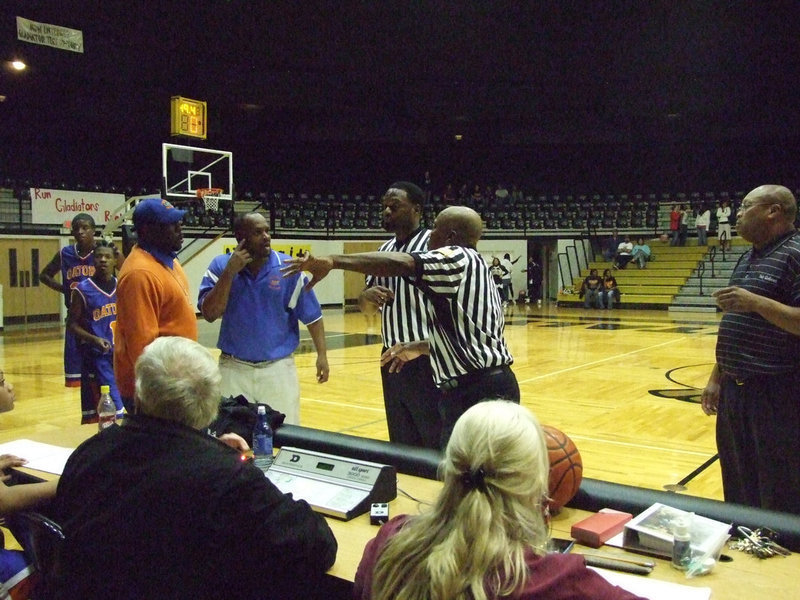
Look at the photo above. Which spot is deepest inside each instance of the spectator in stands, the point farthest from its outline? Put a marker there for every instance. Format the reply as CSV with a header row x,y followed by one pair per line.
x,y
624,254
449,196
610,290
611,245
477,196
684,226
701,223
641,252
724,225
674,225
485,537
501,193
516,193
592,290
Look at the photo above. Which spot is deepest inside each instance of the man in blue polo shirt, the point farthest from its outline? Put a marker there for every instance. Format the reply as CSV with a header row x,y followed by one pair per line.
x,y
260,313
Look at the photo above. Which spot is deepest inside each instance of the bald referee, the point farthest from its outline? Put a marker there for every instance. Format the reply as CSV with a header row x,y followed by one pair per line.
x,y
468,353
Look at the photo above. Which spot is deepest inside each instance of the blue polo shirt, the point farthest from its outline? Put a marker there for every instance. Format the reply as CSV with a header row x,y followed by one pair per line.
x,y
261,320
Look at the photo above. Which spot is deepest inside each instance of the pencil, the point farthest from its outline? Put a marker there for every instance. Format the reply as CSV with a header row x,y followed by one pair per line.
x,y
641,563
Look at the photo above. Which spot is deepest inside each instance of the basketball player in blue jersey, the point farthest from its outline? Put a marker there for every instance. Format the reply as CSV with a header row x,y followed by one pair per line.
x,y
92,318
76,263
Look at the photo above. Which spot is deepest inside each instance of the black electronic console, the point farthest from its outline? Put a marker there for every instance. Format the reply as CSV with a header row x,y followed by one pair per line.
x,y
333,485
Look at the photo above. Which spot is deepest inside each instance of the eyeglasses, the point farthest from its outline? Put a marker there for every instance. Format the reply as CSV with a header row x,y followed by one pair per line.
x,y
745,206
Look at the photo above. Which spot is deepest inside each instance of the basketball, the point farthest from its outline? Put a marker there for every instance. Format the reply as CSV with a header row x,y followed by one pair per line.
x,y
566,467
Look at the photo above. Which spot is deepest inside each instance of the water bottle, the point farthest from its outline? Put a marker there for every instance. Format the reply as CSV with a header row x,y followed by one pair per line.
x,y
681,546
106,409
262,440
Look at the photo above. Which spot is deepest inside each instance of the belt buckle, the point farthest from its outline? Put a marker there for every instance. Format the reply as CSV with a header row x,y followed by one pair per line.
x,y
450,384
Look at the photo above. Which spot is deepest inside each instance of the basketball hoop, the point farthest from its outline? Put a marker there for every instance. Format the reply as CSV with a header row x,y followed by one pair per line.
x,y
210,197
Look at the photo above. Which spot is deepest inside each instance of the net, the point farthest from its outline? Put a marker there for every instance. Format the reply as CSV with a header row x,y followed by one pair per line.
x,y
210,197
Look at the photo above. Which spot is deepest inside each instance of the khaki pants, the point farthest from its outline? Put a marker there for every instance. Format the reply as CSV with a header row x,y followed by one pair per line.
x,y
274,383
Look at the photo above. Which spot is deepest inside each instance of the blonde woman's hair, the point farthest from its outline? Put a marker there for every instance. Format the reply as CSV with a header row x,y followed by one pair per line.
x,y
488,517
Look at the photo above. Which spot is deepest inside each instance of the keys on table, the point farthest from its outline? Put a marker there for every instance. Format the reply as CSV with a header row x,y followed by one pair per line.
x,y
760,542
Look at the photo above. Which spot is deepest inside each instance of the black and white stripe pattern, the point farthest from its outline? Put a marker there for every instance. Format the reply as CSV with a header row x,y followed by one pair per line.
x,y
747,344
466,314
405,319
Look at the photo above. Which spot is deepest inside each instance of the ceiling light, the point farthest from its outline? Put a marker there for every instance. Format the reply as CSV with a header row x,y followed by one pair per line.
x,y
18,65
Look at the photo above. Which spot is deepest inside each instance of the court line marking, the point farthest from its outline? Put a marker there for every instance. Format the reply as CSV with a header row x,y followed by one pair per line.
x,y
342,404
642,446
601,361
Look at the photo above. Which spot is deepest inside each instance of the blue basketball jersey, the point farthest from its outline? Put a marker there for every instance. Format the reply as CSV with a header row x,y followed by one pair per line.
x,y
74,269
101,309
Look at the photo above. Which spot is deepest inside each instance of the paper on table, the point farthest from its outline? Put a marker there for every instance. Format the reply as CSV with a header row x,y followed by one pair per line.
x,y
42,457
652,588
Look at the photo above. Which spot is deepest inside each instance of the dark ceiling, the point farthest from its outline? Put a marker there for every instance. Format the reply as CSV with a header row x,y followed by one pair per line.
x,y
595,93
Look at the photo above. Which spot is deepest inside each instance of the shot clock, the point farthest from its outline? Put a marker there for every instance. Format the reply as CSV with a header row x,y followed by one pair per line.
x,y
188,117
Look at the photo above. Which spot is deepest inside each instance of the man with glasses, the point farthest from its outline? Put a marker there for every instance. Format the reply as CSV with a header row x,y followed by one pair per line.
x,y
753,388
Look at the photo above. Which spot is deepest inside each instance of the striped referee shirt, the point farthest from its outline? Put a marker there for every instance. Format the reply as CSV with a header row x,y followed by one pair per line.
x,y
465,312
404,319
748,344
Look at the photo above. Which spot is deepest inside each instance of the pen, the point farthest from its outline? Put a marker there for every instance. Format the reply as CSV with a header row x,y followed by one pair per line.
x,y
616,565
641,563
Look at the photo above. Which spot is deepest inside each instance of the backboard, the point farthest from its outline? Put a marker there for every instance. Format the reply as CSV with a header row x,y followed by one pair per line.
x,y
185,169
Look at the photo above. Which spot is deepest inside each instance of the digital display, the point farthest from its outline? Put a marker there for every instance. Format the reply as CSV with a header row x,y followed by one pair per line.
x,y
188,117
324,466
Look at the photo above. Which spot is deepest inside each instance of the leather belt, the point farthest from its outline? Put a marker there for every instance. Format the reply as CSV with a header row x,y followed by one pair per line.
x,y
252,363
472,377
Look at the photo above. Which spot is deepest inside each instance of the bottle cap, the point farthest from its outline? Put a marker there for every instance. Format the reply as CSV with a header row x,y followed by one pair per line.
x,y
105,389
682,528
262,410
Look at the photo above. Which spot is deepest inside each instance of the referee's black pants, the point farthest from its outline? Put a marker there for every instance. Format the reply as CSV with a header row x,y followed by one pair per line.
x,y
494,383
411,399
758,438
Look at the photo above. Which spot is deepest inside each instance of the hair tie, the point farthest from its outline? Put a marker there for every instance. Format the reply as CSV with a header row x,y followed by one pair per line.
x,y
474,479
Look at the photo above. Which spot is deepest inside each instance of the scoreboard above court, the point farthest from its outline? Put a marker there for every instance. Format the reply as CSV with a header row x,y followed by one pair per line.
x,y
188,117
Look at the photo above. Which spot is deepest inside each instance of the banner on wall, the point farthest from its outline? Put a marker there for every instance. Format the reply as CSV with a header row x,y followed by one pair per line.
x,y
295,250
55,36
58,207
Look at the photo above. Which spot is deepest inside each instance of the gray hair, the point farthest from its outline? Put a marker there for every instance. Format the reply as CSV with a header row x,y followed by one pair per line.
x,y
178,380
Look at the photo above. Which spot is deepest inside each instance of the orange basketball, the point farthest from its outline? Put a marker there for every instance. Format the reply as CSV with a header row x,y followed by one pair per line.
x,y
566,467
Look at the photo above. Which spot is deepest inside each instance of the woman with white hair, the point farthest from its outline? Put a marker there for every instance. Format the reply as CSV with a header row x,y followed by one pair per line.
x,y
486,535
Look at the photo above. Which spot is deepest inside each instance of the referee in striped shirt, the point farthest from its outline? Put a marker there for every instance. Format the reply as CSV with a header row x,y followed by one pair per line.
x,y
410,396
754,388
468,352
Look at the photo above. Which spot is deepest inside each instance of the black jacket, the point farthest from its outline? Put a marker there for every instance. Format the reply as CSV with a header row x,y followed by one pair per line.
x,y
153,509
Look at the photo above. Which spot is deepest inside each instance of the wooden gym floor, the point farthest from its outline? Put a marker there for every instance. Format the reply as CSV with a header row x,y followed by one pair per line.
x,y
623,384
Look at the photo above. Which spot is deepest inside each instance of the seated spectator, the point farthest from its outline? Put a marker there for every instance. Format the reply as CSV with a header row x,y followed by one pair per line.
x,y
624,254
592,290
485,536
157,508
610,246
641,253
610,290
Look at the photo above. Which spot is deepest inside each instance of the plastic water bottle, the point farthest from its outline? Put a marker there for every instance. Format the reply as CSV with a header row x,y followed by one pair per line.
x,y
106,409
262,440
681,546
